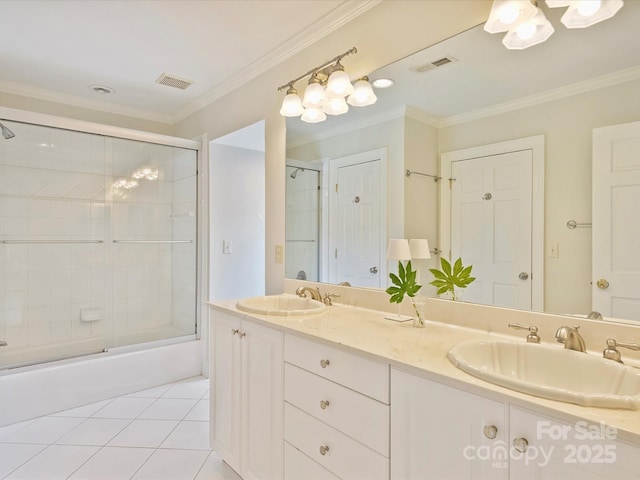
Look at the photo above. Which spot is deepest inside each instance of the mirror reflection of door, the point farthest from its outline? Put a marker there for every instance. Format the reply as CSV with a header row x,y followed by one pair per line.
x,y
356,241
492,214
616,221
302,249
491,226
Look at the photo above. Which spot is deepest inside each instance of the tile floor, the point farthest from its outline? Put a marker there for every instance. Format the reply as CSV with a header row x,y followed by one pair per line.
x,y
161,433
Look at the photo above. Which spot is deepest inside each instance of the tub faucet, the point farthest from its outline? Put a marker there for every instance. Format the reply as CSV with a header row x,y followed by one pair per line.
x,y
571,338
313,293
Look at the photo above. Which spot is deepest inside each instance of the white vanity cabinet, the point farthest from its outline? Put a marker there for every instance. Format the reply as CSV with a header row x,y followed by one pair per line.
x,y
437,431
441,432
336,413
246,396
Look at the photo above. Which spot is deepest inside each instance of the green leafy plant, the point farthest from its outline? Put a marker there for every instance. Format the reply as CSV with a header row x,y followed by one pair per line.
x,y
403,284
448,278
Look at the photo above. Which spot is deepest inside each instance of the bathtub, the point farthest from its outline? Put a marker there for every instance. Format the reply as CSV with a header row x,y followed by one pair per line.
x,y
34,391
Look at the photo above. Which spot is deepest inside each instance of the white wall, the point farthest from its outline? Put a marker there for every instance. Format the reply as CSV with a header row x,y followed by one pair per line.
x,y
237,206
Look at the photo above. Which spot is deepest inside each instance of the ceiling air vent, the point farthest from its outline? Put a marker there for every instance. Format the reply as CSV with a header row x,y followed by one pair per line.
x,y
433,65
173,81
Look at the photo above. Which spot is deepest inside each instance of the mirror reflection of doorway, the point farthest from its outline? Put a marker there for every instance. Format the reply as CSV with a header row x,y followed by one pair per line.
x,y
302,219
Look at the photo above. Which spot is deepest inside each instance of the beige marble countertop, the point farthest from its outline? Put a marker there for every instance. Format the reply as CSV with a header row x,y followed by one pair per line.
x,y
424,351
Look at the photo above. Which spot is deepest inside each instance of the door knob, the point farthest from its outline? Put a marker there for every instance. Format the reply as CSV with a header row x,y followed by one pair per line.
x,y
523,275
373,269
602,284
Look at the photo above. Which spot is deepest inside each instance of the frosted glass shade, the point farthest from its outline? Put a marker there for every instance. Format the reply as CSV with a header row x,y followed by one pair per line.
x,y
313,115
335,106
314,95
527,34
506,13
419,248
339,84
584,13
291,105
362,94
398,249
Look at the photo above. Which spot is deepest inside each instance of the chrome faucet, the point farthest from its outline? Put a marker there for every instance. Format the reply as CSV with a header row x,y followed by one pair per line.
x,y
313,293
571,338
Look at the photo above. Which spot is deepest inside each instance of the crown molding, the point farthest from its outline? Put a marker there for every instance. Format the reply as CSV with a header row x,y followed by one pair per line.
x,y
328,24
608,80
76,101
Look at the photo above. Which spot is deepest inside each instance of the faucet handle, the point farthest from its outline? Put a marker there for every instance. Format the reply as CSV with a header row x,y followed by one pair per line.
x,y
612,352
327,298
533,336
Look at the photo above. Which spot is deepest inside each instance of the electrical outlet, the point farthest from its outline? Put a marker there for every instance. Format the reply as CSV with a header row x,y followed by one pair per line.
x,y
279,253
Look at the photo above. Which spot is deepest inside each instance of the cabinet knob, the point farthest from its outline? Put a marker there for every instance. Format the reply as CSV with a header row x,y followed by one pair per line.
x,y
324,449
520,444
242,334
490,431
324,404
234,331
324,363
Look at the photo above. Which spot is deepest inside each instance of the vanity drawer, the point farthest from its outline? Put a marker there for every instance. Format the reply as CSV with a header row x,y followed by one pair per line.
x,y
359,416
344,457
297,466
351,370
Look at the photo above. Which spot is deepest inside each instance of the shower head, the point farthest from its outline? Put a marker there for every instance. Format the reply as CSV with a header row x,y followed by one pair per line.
x,y
294,174
6,133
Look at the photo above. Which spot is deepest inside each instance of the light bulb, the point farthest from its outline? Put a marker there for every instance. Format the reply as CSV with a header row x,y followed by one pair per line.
x,y
587,8
509,13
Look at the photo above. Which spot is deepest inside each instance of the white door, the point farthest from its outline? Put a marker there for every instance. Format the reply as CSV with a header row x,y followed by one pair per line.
x,y
616,221
357,220
491,214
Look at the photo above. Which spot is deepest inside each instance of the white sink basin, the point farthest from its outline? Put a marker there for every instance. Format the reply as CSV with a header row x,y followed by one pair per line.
x,y
281,305
551,372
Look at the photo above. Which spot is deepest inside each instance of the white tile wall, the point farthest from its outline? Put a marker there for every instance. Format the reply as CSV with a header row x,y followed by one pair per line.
x,y
58,185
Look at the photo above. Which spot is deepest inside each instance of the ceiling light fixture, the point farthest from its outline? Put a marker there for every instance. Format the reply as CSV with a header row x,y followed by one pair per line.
x,y
526,24
329,92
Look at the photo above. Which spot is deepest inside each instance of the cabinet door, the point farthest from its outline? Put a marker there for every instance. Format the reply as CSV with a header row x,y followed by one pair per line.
x,y
263,402
437,432
225,388
578,450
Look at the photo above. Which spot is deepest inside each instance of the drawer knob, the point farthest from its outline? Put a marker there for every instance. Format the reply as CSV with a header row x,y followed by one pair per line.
x,y
520,444
324,404
324,363
324,449
234,331
242,334
490,431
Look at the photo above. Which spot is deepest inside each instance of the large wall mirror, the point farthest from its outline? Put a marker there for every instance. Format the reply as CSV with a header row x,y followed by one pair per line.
x,y
465,92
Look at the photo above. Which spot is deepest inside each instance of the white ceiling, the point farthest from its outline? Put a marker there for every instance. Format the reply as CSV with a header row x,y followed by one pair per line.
x,y
57,49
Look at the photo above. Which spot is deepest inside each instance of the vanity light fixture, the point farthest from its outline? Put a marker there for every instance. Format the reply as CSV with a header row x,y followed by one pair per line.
x,y
329,92
526,24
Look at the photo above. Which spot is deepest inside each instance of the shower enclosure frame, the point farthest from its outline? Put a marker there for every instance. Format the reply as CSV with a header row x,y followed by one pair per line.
x,y
201,236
